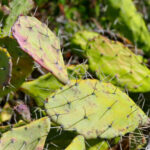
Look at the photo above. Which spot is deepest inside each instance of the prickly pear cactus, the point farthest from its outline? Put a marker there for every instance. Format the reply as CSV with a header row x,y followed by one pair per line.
x,y
129,22
9,127
113,62
41,44
22,65
5,68
6,113
28,137
43,86
17,7
101,145
77,143
94,109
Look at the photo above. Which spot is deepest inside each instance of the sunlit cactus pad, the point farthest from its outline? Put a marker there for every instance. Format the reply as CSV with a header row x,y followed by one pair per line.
x,y
36,39
113,62
45,85
28,137
5,68
77,143
94,109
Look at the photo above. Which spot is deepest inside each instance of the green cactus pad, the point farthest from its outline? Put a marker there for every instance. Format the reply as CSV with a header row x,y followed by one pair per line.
x,y
5,68
36,39
77,144
94,109
22,64
9,127
101,145
43,86
17,7
28,137
113,62
129,22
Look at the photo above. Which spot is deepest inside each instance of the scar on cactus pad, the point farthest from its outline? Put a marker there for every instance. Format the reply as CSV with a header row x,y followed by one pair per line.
x,y
5,68
36,39
94,109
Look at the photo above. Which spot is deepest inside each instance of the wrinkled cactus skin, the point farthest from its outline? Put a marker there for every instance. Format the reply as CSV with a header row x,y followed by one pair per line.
x,y
94,109
36,39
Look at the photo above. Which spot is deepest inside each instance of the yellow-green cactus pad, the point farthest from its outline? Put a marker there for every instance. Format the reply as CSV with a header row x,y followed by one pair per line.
x,y
101,145
77,144
94,109
45,85
5,68
28,137
113,62
36,39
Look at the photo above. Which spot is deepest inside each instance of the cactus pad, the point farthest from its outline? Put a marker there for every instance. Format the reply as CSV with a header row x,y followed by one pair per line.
x,y
94,109
28,137
77,144
17,7
112,61
129,22
22,64
42,87
41,44
5,68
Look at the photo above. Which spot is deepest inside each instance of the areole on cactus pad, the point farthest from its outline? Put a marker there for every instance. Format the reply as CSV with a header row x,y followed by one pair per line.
x,y
36,39
94,109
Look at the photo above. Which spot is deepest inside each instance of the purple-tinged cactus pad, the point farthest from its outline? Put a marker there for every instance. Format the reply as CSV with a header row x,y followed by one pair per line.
x,y
36,39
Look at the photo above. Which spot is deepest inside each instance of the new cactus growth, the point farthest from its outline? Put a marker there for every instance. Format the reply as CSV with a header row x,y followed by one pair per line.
x,y
5,68
36,39
77,144
113,62
22,64
94,109
28,137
